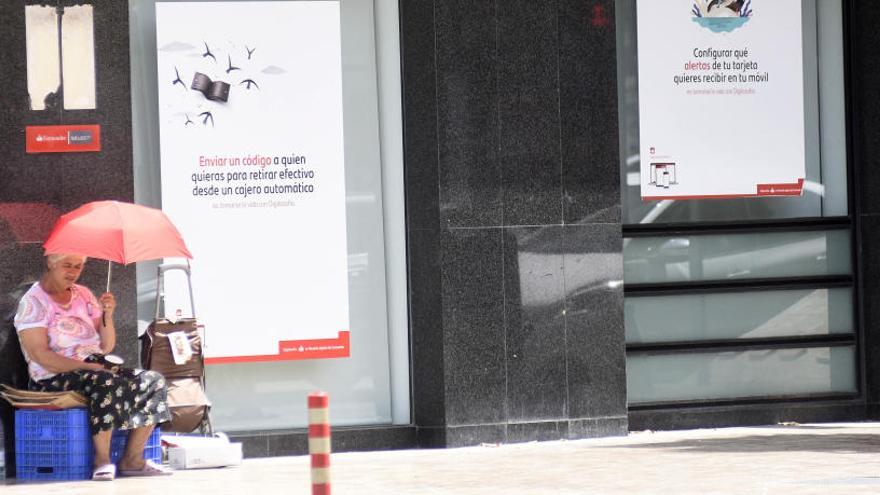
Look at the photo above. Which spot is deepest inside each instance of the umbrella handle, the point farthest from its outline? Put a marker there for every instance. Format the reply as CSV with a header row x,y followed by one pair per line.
x,y
109,271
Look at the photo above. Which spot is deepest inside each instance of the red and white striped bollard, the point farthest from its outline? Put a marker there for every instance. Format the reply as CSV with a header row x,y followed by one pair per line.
x,y
319,442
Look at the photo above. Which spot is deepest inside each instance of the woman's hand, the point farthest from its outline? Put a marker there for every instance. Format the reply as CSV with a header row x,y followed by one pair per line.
x,y
105,326
108,303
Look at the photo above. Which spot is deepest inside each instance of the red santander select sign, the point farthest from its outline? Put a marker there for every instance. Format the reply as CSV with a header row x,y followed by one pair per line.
x,y
62,138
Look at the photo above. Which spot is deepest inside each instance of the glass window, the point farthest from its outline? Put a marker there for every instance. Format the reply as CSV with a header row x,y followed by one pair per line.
x,y
740,374
825,186
371,386
670,258
732,257
738,315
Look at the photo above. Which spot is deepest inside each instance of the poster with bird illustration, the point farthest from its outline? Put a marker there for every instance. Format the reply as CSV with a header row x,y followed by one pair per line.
x,y
721,99
252,173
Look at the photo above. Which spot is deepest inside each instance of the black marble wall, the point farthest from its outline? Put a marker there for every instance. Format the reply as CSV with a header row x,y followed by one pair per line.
x,y
864,73
36,188
513,216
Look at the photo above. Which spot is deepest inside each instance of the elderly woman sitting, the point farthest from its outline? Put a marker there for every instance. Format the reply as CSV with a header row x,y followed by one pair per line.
x,y
60,324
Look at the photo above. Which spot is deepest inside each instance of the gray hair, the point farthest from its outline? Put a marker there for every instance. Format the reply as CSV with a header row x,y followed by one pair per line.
x,y
54,258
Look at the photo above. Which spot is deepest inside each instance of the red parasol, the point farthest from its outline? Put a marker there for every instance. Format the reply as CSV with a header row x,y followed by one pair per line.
x,y
114,231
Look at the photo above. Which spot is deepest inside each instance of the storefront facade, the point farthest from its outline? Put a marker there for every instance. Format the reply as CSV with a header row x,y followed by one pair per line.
x,y
506,281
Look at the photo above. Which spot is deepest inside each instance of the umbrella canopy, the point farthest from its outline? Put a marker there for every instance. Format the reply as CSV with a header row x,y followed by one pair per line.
x,y
114,231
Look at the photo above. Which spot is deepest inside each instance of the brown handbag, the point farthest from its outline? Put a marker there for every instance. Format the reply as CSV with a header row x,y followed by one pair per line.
x,y
190,410
156,353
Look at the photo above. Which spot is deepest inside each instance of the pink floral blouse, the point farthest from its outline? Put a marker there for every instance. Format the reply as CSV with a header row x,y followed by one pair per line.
x,y
71,327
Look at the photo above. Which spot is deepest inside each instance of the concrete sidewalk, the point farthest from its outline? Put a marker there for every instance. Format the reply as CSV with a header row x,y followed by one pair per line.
x,y
802,459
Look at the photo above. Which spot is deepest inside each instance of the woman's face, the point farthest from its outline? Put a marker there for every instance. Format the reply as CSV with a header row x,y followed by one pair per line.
x,y
66,271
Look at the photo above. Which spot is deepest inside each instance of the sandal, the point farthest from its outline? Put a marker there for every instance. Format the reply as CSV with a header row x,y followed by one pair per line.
x,y
107,472
150,469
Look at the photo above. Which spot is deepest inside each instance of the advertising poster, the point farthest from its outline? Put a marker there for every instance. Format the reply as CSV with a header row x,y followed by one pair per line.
x,y
251,137
721,98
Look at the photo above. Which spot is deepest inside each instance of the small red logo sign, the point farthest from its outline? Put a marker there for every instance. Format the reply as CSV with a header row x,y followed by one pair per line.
x,y
62,138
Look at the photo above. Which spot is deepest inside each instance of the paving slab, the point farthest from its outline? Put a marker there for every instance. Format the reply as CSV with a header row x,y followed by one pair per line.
x,y
800,459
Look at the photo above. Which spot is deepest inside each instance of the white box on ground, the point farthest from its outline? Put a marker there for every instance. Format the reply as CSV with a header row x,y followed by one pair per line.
x,y
188,452
205,457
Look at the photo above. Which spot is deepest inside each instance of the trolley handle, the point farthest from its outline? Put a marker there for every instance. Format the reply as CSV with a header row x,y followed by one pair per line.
x,y
174,266
160,283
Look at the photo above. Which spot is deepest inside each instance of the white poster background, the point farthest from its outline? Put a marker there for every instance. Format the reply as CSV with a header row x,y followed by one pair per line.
x,y
725,138
266,267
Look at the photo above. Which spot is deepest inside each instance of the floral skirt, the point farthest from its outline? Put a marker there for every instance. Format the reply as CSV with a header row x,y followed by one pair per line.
x,y
125,400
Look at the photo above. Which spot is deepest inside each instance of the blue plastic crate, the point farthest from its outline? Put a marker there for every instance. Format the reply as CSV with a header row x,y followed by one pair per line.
x,y
57,445
152,450
53,445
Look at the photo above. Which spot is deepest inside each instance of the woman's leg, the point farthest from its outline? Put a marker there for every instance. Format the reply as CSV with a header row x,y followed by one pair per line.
x,y
102,447
148,406
145,401
133,457
144,405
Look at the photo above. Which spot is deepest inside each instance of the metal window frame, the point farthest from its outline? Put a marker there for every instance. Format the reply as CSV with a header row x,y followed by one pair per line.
x,y
743,401
850,222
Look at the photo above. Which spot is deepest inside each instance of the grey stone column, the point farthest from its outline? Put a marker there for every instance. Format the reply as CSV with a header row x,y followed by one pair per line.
x,y
513,218
865,111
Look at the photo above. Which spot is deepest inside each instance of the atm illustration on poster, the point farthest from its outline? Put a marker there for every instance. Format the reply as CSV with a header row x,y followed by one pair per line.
x,y
663,175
